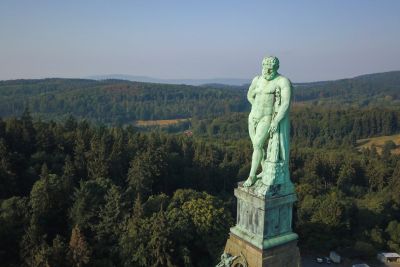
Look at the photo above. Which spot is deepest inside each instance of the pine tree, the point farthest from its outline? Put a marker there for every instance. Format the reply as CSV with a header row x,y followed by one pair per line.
x,y
118,158
69,174
97,163
80,161
145,169
346,176
136,236
160,245
107,232
8,179
58,253
79,249
28,132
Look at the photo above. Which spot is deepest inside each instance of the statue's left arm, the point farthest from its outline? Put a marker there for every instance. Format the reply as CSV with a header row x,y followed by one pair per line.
x,y
286,92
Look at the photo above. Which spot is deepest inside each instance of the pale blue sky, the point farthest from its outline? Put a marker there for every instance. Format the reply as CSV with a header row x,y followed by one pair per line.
x,y
314,39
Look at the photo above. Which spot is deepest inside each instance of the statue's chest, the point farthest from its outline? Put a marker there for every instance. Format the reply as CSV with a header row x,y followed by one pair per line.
x,y
266,87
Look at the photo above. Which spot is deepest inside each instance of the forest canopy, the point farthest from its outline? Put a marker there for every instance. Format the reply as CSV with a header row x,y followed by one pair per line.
x,y
76,192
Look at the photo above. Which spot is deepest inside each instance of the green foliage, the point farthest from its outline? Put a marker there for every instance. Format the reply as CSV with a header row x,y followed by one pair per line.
x,y
116,101
132,195
393,230
329,211
87,202
79,249
13,217
145,169
189,228
210,222
108,229
48,204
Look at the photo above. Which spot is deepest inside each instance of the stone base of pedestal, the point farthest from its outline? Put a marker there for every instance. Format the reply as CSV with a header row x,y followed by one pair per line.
x,y
248,255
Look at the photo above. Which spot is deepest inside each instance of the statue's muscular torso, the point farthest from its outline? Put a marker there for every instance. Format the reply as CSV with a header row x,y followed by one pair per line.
x,y
261,96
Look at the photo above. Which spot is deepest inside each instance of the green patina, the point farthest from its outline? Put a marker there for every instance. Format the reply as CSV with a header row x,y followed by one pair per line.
x,y
270,97
265,200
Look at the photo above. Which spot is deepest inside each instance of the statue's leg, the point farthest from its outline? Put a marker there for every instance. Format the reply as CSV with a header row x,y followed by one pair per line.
x,y
258,150
252,128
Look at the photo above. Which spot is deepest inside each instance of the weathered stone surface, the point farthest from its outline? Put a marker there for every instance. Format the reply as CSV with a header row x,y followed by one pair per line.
x,y
285,255
262,218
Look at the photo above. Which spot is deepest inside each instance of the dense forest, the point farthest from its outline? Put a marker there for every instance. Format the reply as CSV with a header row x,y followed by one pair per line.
x,y
115,101
314,126
371,90
122,102
75,194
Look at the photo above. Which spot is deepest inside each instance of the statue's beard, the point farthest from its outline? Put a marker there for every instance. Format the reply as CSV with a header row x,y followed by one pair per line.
x,y
269,76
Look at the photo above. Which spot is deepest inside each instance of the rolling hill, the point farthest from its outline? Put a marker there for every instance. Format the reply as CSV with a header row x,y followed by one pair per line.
x,y
121,101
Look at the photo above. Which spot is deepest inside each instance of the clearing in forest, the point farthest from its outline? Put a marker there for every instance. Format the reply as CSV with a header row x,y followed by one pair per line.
x,y
379,142
147,123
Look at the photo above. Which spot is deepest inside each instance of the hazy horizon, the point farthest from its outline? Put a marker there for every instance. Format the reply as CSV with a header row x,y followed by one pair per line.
x,y
177,80
314,40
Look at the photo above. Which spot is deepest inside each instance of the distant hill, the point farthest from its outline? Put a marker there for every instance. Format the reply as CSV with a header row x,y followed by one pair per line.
x,y
367,90
122,101
133,78
116,101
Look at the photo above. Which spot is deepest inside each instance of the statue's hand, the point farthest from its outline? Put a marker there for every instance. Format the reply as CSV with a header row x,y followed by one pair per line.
x,y
273,127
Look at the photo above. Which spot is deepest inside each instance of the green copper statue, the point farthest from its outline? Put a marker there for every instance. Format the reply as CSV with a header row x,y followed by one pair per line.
x,y
269,95
265,200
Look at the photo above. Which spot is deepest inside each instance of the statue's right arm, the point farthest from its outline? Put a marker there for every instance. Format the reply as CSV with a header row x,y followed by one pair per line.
x,y
251,93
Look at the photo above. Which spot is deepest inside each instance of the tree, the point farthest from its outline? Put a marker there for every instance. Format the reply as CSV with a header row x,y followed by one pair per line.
x,y
387,149
8,179
49,202
160,244
80,161
346,176
97,163
108,230
135,237
34,250
393,230
45,139
377,174
145,171
87,202
28,132
14,216
79,250
58,252
211,222
394,184
330,211
69,174
118,157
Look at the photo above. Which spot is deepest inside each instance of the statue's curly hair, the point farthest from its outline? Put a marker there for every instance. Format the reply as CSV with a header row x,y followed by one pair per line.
x,y
271,60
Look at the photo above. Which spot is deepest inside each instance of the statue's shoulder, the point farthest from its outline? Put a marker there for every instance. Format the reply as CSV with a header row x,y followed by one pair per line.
x,y
255,79
254,82
283,81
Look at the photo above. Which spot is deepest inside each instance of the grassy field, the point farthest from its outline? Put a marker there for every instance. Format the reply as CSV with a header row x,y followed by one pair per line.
x,y
161,123
379,142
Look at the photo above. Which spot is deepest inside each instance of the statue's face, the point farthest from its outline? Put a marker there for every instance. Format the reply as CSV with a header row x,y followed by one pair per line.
x,y
269,71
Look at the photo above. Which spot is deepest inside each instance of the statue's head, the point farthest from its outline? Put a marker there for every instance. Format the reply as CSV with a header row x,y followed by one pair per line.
x,y
270,66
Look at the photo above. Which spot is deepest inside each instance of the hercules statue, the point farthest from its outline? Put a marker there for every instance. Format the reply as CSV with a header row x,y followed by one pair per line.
x,y
269,95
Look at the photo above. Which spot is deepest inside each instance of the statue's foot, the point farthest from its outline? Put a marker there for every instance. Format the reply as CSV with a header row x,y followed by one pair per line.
x,y
250,181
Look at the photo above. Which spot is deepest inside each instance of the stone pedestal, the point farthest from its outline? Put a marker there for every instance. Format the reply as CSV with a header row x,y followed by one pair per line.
x,y
263,233
284,255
